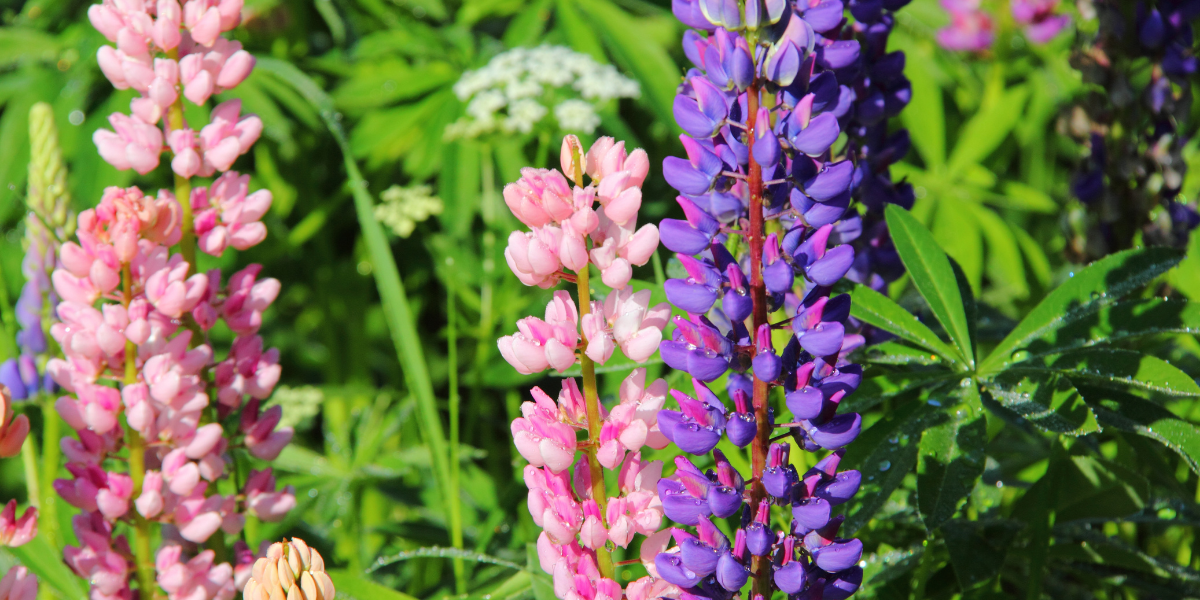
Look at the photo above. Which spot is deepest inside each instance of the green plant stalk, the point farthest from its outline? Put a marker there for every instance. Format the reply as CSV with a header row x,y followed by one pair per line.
x,y
183,188
487,172
32,482
455,502
51,453
590,396
143,556
397,312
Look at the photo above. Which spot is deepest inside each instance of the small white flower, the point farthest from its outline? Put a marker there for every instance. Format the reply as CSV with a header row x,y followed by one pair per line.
x,y
576,115
403,207
513,91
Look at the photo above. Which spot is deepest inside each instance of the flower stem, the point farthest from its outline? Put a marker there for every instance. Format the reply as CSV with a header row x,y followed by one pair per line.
x,y
590,396
143,556
183,185
455,503
758,297
32,483
48,517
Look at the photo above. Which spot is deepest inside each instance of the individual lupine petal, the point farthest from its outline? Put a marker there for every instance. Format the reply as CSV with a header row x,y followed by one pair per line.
x,y
779,476
697,173
842,488
838,432
15,531
806,402
690,236
688,12
670,567
831,181
838,556
824,340
732,571
702,116
790,576
829,269
766,363
817,136
759,535
811,513
592,534
843,584
742,425
132,145
18,584
777,273
10,376
724,13
766,149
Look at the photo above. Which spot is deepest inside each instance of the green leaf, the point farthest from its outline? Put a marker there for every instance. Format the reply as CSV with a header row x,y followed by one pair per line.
x,y
873,308
932,275
577,31
636,53
1004,264
1046,399
1137,415
885,453
527,27
957,231
440,552
1124,320
1126,369
899,353
988,128
43,560
1024,197
877,389
400,319
1094,287
354,586
925,118
977,549
373,84
951,459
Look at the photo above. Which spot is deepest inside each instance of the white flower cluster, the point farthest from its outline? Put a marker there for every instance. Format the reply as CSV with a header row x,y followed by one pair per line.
x,y
513,93
403,207
299,403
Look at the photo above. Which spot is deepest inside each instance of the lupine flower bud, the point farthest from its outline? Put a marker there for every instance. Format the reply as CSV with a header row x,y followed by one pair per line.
x,y
289,571
12,429
18,584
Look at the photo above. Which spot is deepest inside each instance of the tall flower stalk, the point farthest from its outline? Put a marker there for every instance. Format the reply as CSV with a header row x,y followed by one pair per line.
x,y
768,231
159,419
569,236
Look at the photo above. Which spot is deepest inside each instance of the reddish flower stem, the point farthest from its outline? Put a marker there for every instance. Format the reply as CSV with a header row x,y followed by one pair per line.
x,y
758,296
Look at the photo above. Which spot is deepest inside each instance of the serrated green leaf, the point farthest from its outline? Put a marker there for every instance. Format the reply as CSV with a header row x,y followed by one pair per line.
x,y
40,557
1092,288
932,275
988,128
951,459
1045,399
1126,369
885,453
1137,415
874,308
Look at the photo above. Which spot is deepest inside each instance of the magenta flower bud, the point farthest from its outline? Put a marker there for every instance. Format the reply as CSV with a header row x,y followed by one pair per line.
x,y
767,364
759,535
777,273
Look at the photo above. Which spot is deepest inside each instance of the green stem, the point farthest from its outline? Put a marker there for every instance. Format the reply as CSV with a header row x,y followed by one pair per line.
x,y
51,453
590,396
32,482
143,556
455,501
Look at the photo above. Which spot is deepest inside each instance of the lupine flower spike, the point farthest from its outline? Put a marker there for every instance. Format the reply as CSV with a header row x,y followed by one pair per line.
x,y
825,76
579,518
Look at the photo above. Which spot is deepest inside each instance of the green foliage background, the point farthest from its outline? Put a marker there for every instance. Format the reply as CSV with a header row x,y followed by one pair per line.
x,y
384,339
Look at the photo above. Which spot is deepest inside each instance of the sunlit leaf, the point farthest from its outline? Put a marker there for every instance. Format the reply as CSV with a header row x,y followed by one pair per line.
x,y
950,460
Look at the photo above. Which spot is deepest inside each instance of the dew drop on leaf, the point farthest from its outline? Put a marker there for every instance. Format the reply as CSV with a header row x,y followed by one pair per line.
x,y
885,465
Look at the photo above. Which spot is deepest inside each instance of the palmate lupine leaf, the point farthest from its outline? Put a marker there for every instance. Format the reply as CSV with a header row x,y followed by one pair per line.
x,y
874,308
1127,319
877,389
988,128
442,552
950,460
1098,285
899,353
1045,399
933,276
1124,411
1126,370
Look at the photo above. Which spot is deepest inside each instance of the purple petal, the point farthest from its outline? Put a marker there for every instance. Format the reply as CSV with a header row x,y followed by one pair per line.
x,y
784,64
759,538
691,297
698,557
724,500
767,366
842,488
778,277
826,15
823,340
812,513
838,432
779,480
766,150
843,585
679,236
737,306
671,568
833,266
838,556
10,375
820,134
838,55
805,403
741,429
681,175
731,573
689,117
706,365
790,578
830,182
689,13
681,507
